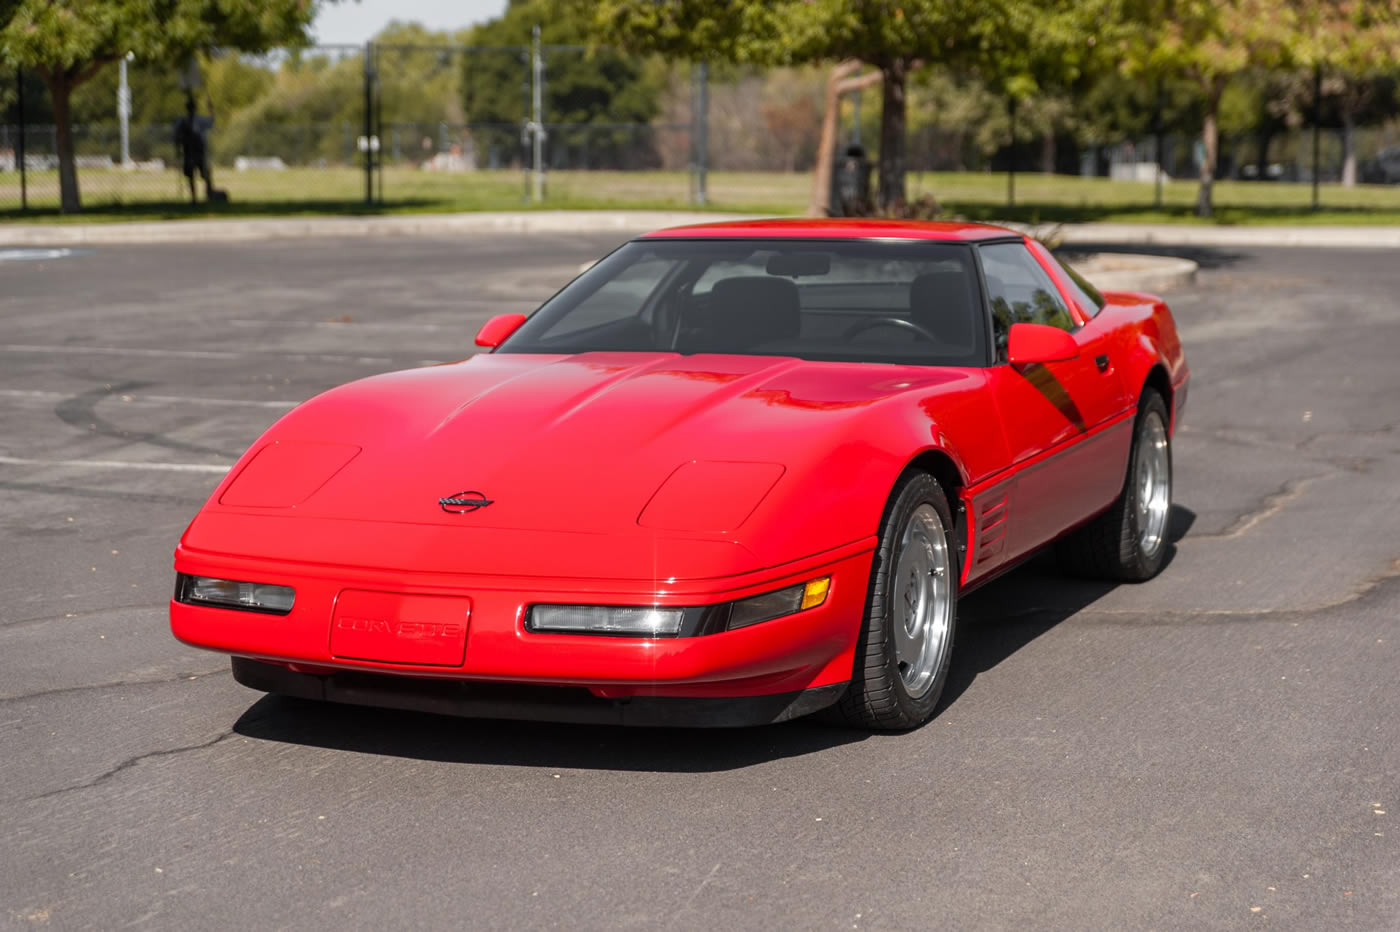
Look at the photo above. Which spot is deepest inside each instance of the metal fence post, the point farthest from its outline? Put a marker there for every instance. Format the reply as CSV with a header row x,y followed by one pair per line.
x,y
702,134
379,122
1316,119
526,86
23,176
124,112
369,125
1011,156
537,115
1161,155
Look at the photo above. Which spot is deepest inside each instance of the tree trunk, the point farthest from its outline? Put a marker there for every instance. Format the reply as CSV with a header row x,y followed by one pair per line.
x,y
1261,157
60,90
1348,145
1047,152
837,83
819,204
1210,137
892,142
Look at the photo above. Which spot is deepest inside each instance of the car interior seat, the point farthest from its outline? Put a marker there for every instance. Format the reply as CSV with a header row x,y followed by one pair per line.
x,y
941,303
741,314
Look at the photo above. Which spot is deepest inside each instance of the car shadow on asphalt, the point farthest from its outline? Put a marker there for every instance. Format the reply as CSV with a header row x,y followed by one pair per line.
x,y
995,622
445,739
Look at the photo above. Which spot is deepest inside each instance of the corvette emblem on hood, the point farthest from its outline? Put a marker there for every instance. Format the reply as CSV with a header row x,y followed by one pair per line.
x,y
461,503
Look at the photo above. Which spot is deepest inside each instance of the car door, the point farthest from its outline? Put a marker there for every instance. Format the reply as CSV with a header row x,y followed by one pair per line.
x,y
1062,421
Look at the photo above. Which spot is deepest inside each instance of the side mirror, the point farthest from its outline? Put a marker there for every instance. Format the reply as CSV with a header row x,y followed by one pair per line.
x,y
1028,343
494,332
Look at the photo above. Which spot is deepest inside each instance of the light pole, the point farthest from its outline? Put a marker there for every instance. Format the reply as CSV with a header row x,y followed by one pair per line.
x,y
124,110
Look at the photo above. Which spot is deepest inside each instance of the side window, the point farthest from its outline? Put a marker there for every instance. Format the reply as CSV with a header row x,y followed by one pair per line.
x,y
1091,301
1020,292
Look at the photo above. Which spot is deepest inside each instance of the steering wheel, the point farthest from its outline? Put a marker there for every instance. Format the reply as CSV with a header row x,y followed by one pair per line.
x,y
861,326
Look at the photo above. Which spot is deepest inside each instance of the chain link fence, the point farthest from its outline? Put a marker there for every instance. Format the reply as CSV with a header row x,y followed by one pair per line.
x,y
470,127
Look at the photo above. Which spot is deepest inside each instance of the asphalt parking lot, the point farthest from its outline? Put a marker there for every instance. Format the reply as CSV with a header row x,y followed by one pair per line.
x,y
1217,747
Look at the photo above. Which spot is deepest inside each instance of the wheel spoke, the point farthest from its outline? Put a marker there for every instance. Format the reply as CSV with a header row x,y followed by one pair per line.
x,y
1153,484
920,612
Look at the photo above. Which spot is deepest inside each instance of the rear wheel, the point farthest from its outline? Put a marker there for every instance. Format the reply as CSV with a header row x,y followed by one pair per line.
x,y
1129,541
902,656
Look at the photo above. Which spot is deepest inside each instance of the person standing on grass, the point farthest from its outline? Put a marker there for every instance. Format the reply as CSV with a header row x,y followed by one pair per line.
x,y
192,147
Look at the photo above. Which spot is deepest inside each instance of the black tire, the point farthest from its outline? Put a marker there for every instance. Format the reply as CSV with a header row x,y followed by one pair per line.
x,y
1111,547
878,697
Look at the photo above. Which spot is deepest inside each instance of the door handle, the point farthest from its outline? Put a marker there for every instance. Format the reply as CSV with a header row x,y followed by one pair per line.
x,y
1101,362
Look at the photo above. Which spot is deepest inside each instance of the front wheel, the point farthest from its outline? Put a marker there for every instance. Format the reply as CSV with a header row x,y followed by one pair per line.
x,y
902,656
1129,541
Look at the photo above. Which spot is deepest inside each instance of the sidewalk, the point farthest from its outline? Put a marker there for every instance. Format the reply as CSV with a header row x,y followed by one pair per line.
x,y
563,222
484,223
1170,234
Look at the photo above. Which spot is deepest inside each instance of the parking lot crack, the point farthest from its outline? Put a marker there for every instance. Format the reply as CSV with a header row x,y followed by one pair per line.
x,y
129,763
1272,504
119,684
69,616
1378,586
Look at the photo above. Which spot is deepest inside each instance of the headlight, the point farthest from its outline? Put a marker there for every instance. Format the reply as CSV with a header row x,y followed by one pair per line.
x,y
601,619
232,593
655,621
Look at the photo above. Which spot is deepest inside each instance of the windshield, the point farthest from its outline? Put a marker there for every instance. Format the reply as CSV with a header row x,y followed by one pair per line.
x,y
853,301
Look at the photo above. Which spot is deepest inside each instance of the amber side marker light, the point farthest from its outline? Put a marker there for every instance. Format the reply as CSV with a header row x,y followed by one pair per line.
x,y
772,605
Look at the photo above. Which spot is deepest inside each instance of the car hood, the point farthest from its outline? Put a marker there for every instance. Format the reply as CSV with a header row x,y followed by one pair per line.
x,y
577,444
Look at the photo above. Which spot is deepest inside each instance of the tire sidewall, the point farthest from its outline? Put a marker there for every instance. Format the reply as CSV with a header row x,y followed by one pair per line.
x,y
1145,565
917,489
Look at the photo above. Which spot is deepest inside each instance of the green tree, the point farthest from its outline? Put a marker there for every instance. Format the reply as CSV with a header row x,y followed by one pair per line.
x,y
1015,45
1207,42
587,88
68,42
311,106
1353,44
311,109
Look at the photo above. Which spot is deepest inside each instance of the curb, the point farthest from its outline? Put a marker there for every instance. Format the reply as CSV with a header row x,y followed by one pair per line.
x,y
226,231
1129,272
565,222
1141,234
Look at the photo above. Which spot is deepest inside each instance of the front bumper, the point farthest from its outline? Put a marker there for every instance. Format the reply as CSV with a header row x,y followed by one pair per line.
x,y
569,704
783,657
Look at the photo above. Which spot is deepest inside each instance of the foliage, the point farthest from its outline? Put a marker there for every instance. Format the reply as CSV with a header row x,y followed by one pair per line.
x,y
67,42
1213,41
587,88
1015,46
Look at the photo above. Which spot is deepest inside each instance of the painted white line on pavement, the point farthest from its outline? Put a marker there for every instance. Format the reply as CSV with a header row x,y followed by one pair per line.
x,y
33,255
355,325
115,464
206,354
152,399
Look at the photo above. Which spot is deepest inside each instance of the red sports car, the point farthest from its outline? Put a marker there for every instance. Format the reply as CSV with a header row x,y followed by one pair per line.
x,y
731,474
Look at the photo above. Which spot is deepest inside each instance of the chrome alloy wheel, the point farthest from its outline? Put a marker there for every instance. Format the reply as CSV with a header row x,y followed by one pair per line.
x,y
921,608
1154,484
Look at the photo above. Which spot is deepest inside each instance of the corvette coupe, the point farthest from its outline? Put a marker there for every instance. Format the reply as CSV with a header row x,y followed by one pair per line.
x,y
731,474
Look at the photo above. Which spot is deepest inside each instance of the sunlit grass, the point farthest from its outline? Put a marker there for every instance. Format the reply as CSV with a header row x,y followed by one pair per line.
x,y
117,195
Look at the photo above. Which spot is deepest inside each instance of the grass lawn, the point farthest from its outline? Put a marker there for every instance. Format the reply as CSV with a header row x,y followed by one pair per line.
x,y
117,195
